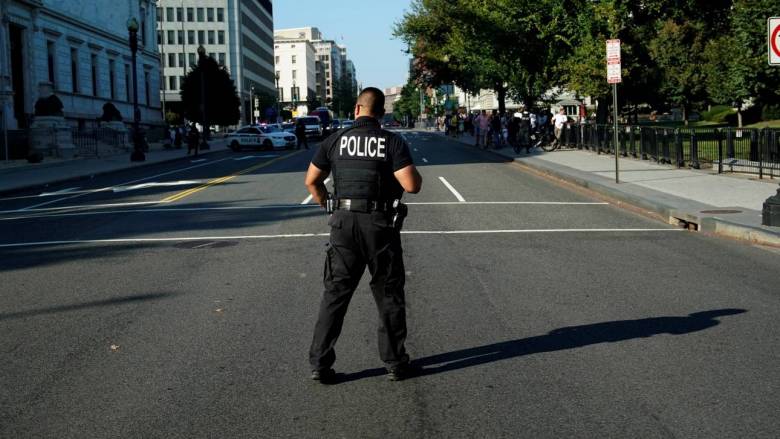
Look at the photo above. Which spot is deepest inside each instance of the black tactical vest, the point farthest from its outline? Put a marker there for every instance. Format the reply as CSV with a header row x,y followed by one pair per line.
x,y
361,165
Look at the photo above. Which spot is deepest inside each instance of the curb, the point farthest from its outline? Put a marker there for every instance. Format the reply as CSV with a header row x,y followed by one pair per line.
x,y
89,176
705,224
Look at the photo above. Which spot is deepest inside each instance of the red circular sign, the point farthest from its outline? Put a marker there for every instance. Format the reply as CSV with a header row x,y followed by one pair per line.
x,y
775,34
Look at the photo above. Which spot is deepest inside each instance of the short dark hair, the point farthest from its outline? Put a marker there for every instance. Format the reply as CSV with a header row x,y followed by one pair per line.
x,y
373,100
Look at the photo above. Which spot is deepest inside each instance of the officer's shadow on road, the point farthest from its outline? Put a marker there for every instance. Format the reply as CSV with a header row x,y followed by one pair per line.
x,y
558,340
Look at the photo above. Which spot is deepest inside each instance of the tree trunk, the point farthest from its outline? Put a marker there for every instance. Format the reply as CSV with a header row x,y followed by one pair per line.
x,y
501,92
602,110
739,118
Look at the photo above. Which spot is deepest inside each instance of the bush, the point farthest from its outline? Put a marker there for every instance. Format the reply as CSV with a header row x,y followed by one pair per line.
x,y
718,114
770,112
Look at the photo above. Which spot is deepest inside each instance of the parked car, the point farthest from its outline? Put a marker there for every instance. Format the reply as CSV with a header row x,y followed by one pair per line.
x,y
326,118
347,123
260,136
288,128
313,125
335,125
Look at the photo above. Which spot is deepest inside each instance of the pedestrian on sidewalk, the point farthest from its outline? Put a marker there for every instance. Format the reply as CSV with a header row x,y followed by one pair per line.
x,y
177,138
495,129
483,124
193,140
559,121
300,133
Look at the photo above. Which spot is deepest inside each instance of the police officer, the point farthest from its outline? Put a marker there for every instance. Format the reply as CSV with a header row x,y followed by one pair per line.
x,y
371,169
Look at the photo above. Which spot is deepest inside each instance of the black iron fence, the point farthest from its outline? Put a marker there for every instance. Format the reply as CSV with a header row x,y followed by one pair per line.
x,y
755,151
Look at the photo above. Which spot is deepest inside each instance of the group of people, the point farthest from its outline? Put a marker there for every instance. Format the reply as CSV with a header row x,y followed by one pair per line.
x,y
500,129
187,132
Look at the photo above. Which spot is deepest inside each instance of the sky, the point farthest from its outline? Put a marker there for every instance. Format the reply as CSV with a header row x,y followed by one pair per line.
x,y
364,27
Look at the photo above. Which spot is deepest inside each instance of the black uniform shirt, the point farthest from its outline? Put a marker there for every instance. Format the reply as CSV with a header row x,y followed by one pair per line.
x,y
367,141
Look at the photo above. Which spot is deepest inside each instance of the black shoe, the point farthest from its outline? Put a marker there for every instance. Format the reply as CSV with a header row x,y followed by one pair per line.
x,y
324,375
402,372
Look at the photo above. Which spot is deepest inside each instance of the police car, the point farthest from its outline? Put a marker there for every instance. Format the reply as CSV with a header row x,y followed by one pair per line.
x,y
261,136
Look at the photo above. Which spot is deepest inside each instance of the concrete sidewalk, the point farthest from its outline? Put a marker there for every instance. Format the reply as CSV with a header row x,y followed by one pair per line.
x,y
722,204
18,175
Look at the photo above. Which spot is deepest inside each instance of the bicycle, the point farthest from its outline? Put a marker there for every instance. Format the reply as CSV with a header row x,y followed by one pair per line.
x,y
545,140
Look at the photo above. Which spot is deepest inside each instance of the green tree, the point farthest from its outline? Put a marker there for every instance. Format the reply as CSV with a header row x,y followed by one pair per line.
x,y
222,102
344,96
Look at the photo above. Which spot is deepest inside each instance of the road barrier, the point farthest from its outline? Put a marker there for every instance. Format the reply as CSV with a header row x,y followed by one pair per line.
x,y
746,150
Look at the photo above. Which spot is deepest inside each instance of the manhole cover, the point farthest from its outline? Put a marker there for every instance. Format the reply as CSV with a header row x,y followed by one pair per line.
x,y
722,211
202,245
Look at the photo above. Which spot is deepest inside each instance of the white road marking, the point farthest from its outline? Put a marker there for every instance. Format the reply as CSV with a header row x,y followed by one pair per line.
x,y
198,161
425,160
543,203
317,235
122,184
62,192
266,156
452,189
308,199
155,184
56,212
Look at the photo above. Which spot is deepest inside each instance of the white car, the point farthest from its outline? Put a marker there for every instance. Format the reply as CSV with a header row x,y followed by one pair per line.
x,y
347,123
261,136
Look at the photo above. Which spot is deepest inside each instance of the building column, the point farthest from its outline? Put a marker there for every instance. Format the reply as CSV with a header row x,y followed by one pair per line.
x,y
6,104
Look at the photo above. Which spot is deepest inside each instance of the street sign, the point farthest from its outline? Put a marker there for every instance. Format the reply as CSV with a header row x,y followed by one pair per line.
x,y
774,41
613,62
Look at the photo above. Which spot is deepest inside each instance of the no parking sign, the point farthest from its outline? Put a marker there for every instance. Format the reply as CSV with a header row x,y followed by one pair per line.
x,y
774,41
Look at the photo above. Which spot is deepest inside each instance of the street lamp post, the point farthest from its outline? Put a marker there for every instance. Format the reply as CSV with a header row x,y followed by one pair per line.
x,y
138,154
252,105
278,98
203,114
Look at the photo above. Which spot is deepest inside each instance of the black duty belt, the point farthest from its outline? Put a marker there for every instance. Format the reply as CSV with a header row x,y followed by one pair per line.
x,y
354,205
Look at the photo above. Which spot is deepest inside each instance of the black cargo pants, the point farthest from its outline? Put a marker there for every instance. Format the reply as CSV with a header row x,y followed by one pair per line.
x,y
358,240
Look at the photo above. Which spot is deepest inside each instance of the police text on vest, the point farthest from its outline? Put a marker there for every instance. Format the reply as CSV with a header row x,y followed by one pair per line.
x,y
357,146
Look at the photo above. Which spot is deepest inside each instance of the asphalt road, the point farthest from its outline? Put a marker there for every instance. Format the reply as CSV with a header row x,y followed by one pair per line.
x,y
179,300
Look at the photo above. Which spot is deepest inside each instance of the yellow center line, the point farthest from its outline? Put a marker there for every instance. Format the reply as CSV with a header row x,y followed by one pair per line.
x,y
216,181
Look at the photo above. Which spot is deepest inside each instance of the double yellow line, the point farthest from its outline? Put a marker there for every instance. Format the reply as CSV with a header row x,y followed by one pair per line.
x,y
216,181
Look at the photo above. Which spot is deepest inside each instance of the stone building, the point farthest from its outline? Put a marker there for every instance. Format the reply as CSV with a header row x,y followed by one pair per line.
x,y
78,50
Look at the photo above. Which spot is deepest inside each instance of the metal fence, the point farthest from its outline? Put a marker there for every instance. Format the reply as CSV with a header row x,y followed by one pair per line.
x,y
755,151
88,142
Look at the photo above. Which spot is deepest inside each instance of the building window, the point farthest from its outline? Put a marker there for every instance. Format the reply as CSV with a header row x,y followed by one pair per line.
x,y
294,74
293,59
200,15
191,57
181,81
179,14
164,83
220,37
127,81
169,14
211,37
147,88
220,14
212,55
171,37
190,14
201,37
222,58
51,55
159,14
159,37
181,60
171,60
143,26
190,37
172,83
74,70
295,93
93,60
180,37
210,14
112,78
